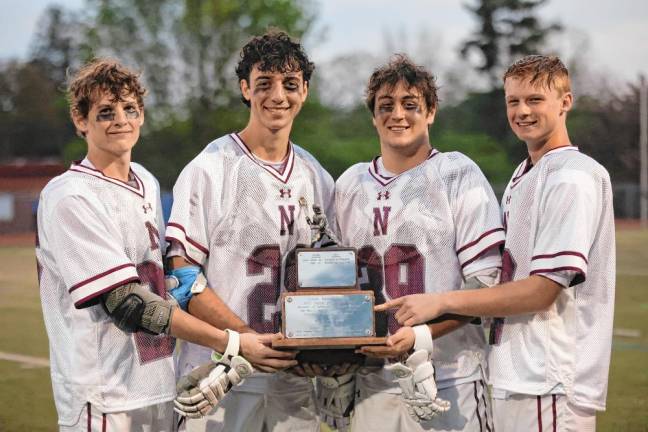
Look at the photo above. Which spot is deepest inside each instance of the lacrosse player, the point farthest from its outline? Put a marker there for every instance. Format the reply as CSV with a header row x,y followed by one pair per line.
x,y
236,214
99,250
549,365
423,221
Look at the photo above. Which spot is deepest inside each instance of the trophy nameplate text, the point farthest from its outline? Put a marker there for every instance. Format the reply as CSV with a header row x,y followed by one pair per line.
x,y
328,310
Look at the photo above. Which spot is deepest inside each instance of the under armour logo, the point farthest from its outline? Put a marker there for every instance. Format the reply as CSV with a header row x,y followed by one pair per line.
x,y
382,195
147,207
283,193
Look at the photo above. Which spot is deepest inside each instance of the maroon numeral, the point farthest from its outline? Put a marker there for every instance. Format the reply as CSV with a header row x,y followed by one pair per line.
x,y
403,270
262,300
153,347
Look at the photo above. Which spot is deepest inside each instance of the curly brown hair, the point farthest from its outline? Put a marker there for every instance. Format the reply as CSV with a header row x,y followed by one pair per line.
x,y
98,77
541,69
275,51
401,69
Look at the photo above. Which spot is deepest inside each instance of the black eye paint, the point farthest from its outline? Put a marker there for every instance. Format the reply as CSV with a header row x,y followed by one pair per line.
x,y
105,116
130,113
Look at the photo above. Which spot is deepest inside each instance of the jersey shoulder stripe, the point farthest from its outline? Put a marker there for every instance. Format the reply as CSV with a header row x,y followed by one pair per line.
x,y
85,291
476,248
194,251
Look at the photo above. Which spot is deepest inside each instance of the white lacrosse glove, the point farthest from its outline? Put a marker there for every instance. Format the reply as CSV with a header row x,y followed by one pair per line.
x,y
336,400
199,391
416,379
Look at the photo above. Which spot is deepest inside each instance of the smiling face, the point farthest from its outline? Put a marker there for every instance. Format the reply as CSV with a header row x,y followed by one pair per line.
x,y
112,127
401,118
275,97
536,113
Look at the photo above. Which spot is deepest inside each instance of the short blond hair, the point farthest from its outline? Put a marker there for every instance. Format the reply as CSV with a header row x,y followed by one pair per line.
x,y
540,69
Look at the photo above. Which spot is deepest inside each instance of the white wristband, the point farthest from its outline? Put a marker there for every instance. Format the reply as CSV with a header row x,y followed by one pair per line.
x,y
423,338
231,350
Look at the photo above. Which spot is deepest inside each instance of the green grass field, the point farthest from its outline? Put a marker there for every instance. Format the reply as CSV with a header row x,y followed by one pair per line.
x,y
26,395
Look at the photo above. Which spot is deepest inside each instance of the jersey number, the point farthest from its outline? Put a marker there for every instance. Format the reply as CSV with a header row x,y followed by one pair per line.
x,y
153,347
403,270
262,300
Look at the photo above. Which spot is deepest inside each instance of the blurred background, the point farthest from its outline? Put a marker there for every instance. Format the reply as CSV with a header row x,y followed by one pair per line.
x,y
187,50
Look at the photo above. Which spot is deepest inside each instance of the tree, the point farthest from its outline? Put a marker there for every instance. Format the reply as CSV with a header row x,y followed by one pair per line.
x,y
507,29
33,112
56,43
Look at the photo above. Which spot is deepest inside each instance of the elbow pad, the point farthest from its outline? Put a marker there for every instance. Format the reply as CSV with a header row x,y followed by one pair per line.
x,y
182,283
134,307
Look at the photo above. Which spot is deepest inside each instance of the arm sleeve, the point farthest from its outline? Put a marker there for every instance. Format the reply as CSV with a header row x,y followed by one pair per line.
x,y
567,218
88,250
479,231
188,225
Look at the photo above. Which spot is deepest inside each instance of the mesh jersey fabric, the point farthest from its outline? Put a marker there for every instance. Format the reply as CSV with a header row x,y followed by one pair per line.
x,y
558,217
421,232
238,218
96,233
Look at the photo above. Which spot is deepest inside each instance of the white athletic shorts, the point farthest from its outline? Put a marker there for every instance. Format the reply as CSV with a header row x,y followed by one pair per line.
x,y
549,413
377,410
287,405
154,418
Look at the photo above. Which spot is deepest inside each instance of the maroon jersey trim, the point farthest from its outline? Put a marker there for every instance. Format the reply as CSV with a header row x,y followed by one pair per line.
x,y
572,253
193,242
474,242
555,269
522,170
99,276
283,174
78,166
385,180
171,239
486,249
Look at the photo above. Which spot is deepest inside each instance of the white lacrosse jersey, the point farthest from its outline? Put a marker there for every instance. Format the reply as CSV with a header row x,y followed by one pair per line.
x,y
96,233
559,217
423,231
237,217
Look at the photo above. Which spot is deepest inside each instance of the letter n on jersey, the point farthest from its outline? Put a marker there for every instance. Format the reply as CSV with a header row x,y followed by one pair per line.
x,y
381,220
287,217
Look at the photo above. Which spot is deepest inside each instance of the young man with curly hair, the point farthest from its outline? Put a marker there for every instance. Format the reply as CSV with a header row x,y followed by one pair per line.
x,y
236,214
549,365
99,250
423,221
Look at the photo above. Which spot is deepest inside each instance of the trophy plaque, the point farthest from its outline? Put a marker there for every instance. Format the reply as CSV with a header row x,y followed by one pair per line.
x,y
327,316
328,310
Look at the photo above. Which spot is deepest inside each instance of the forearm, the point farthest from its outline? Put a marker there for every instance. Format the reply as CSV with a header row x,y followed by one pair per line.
x,y
447,323
210,308
529,295
191,329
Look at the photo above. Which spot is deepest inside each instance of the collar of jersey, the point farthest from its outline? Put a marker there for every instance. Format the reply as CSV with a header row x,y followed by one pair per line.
x,y
86,167
374,170
282,174
527,165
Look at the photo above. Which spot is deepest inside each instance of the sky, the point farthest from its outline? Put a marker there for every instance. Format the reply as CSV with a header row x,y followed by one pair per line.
x,y
611,36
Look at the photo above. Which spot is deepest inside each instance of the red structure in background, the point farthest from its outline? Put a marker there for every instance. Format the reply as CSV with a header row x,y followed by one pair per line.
x,y
20,185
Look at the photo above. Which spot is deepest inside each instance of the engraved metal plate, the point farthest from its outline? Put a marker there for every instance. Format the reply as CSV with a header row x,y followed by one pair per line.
x,y
327,316
326,268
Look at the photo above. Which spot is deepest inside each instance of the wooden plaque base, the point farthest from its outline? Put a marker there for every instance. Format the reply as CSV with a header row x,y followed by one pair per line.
x,y
327,343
